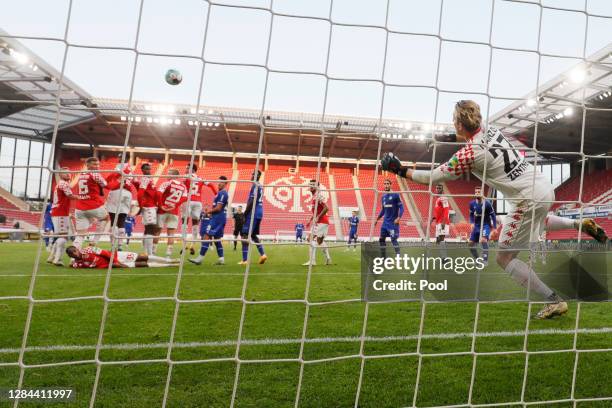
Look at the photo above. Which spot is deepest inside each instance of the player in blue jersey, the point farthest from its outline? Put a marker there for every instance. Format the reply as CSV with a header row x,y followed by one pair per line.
x,y
299,232
253,214
214,231
130,223
48,228
392,211
353,225
481,214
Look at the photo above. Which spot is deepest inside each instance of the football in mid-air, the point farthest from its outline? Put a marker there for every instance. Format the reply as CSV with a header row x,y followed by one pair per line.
x,y
173,77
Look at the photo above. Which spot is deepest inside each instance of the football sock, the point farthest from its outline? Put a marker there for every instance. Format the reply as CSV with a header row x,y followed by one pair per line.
x,y
485,251
525,276
555,223
219,246
204,248
58,248
474,252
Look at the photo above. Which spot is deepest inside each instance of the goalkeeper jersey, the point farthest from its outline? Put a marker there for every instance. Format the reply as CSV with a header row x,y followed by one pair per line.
x,y
490,157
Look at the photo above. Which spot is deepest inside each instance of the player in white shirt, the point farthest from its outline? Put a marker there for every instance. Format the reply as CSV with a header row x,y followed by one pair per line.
x,y
489,156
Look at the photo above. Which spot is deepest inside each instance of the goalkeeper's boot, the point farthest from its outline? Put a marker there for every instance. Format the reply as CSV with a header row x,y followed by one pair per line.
x,y
594,230
263,259
551,310
196,261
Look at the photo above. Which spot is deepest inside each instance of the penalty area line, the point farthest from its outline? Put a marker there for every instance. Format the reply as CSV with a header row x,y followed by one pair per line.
x,y
272,342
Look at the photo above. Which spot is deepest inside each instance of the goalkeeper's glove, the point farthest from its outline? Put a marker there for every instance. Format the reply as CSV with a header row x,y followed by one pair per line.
x,y
390,162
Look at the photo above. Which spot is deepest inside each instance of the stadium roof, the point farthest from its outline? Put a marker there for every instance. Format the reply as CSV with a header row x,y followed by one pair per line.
x,y
557,108
26,78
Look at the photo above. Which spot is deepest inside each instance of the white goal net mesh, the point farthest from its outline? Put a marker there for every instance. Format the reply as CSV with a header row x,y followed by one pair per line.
x,y
428,360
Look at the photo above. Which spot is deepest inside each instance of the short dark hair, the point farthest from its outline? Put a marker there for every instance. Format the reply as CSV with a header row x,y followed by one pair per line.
x,y
143,165
257,174
91,159
194,167
222,178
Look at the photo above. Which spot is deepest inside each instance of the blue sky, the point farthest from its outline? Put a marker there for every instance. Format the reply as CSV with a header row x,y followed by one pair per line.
x,y
238,35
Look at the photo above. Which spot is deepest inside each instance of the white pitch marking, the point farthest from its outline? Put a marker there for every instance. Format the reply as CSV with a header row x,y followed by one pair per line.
x,y
269,341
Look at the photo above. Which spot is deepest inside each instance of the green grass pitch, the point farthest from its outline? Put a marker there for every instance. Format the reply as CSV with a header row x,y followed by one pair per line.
x,y
68,331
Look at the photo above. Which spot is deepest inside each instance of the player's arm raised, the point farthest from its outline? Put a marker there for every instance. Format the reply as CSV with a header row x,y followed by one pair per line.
x,y
461,163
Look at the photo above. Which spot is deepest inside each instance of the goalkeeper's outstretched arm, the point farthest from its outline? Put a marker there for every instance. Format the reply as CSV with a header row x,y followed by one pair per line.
x,y
444,172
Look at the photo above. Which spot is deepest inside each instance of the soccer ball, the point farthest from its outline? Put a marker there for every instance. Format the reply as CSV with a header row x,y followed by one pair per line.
x,y
173,77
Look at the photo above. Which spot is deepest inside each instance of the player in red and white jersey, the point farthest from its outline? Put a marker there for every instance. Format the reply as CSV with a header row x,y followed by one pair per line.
x,y
193,207
171,194
120,199
147,201
90,206
320,220
60,215
97,258
492,158
441,218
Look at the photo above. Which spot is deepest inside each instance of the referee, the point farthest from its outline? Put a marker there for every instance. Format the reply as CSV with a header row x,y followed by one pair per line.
x,y
238,224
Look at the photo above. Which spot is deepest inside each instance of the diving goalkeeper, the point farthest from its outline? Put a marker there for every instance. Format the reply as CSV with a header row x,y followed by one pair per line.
x,y
489,156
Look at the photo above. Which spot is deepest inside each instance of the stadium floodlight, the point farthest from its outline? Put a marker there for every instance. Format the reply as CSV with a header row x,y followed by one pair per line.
x,y
18,56
216,124
577,76
192,111
421,138
177,121
123,118
137,118
531,102
190,122
568,112
411,136
149,120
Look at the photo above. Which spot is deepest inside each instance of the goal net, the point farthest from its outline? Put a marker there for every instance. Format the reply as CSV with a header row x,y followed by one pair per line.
x,y
275,331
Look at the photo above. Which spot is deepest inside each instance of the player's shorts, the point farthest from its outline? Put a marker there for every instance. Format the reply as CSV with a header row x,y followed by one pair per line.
x,y
256,225
320,230
475,235
61,225
149,215
119,201
298,235
442,231
215,229
127,258
203,227
193,211
128,232
120,219
390,231
84,218
237,231
168,220
353,235
517,231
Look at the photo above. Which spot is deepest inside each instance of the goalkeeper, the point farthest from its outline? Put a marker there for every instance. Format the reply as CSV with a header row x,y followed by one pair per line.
x,y
489,156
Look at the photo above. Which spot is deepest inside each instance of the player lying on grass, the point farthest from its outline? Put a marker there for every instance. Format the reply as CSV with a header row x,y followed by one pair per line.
x,y
97,258
489,156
